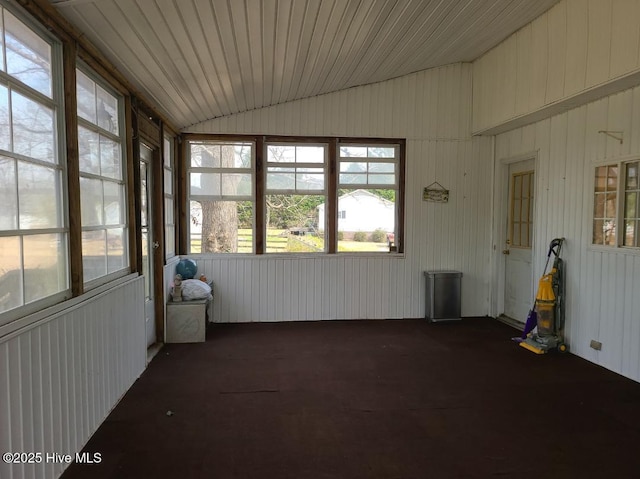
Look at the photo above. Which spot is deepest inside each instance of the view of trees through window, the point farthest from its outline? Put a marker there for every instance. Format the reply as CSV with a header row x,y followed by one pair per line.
x,y
33,234
222,202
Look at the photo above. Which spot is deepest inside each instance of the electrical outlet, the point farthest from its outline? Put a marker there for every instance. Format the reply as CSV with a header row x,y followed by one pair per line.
x,y
597,345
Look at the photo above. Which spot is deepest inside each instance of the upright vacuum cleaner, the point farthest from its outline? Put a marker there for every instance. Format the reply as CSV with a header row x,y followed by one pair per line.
x,y
549,307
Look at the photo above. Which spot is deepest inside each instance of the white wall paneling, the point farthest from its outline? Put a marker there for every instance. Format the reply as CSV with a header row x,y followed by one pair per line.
x,y
602,283
59,379
576,47
432,110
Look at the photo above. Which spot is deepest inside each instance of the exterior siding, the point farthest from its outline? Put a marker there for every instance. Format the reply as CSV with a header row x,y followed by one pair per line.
x,y
60,379
602,283
432,110
575,47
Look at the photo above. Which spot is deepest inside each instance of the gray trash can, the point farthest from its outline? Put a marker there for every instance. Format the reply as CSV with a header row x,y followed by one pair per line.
x,y
443,295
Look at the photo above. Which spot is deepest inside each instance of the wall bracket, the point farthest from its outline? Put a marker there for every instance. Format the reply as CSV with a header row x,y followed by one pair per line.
x,y
618,135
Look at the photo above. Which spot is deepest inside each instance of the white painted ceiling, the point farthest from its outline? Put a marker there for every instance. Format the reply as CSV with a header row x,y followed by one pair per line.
x,y
201,59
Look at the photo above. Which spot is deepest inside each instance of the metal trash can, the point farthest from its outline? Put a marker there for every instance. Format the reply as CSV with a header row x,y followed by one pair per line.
x,y
443,296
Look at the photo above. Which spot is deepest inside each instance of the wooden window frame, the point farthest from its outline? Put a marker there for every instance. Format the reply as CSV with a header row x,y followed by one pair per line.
x,y
260,169
621,190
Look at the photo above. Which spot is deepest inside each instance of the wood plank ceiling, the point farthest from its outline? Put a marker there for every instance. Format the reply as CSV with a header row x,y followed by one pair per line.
x,y
202,59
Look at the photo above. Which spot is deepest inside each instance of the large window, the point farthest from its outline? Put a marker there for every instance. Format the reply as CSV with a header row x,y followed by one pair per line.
x,y
33,232
102,179
295,188
368,185
221,193
617,202
300,195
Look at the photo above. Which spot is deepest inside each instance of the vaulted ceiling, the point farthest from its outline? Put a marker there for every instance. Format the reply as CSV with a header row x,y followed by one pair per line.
x,y
201,59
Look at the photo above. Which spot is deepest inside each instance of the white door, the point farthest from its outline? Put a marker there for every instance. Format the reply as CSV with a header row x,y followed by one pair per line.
x,y
146,158
518,294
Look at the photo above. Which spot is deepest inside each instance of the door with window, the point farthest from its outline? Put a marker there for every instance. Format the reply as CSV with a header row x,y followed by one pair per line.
x,y
148,243
517,252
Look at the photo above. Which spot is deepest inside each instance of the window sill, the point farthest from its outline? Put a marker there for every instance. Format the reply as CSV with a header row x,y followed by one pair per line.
x,y
31,320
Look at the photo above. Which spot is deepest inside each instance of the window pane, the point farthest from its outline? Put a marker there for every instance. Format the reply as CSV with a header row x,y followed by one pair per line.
x,y
5,128
630,205
310,154
86,91
382,168
170,241
33,129
281,179
110,158
353,151
8,195
293,224
168,211
306,181
205,184
632,176
601,179
630,233
281,154
94,254
236,184
221,227
353,179
107,111
205,156
28,55
380,152
91,201
168,182
610,205
167,150
38,188
44,266
241,156
349,166
116,246
10,273
367,223
598,205
382,179
113,203
89,151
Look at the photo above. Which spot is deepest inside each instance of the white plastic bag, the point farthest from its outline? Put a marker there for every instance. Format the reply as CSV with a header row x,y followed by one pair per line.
x,y
195,289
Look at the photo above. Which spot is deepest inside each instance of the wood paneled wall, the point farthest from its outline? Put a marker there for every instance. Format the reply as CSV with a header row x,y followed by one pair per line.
x,y
60,379
577,46
432,110
602,300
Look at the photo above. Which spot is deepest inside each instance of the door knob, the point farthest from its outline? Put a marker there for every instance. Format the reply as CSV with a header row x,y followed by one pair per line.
x,y
156,245
506,251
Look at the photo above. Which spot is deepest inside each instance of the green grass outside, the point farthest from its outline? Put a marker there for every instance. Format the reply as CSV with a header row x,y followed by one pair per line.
x,y
278,241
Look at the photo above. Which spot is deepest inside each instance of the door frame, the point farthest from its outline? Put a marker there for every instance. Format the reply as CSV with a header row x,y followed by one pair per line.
x,y
149,134
500,200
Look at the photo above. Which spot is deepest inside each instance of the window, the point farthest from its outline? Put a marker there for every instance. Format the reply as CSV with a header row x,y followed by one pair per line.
x,y
102,179
295,195
221,194
521,214
368,185
631,215
169,199
33,230
616,202
295,187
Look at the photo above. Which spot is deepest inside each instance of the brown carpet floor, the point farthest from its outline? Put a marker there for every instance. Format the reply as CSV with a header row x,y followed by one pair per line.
x,y
369,399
